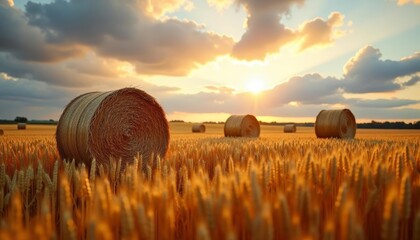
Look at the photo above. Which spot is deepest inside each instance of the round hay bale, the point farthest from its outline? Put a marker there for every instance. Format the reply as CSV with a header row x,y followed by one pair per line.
x,y
289,128
117,124
21,126
198,128
1,132
335,123
242,126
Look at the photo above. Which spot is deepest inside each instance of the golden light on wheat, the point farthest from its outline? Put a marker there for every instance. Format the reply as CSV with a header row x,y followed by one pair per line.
x,y
216,188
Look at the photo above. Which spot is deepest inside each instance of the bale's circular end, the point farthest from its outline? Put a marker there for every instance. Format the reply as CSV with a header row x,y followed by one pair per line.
x,y
198,128
117,124
1,132
242,126
335,123
289,128
21,126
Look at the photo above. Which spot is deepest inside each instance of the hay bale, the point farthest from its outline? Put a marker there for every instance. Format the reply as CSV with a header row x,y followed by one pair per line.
x,y
1,132
21,126
116,124
289,128
242,126
198,128
335,123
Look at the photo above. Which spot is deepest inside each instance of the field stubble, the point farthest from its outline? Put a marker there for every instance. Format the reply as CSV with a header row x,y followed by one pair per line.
x,y
280,186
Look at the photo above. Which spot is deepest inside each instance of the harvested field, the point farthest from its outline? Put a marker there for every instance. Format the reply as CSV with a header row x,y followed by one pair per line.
x,y
278,186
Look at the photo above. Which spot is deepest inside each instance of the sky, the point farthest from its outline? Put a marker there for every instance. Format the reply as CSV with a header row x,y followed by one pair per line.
x,y
203,60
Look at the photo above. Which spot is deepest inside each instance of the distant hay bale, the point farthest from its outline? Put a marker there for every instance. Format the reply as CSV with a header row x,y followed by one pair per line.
x,y
198,128
1,132
116,124
289,128
242,126
21,126
335,123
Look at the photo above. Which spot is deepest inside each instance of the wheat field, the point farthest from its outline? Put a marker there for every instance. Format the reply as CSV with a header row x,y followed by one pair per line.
x,y
279,186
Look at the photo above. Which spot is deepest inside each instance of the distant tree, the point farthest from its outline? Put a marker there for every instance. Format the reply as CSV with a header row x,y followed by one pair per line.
x,y
175,121
21,119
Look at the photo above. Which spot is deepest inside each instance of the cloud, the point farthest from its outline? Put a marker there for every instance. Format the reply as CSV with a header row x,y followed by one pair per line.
x,y
320,32
265,33
382,103
413,81
308,89
220,4
221,89
125,31
366,72
305,96
27,42
54,74
403,2
157,8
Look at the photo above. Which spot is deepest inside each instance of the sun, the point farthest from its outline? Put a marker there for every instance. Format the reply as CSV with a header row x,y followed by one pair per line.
x,y
255,85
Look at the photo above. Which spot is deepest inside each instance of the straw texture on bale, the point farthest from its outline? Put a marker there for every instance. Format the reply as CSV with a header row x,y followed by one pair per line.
x,y
1,132
335,124
242,126
112,125
21,126
289,128
198,128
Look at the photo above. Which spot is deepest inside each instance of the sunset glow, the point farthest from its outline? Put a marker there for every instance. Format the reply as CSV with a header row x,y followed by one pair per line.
x,y
295,57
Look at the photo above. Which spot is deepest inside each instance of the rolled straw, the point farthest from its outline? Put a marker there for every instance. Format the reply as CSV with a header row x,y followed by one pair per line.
x,y
289,128
198,128
335,124
116,124
242,126
21,126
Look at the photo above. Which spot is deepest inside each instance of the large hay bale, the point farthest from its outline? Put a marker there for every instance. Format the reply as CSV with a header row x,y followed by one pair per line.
x,y
116,124
198,128
289,128
21,126
242,126
1,132
335,123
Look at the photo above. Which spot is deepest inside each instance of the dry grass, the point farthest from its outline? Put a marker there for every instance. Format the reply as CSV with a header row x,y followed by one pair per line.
x,y
279,186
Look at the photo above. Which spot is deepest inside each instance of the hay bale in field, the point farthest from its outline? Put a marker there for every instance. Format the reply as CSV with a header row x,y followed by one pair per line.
x,y
335,123
21,126
116,124
289,128
1,132
242,126
198,128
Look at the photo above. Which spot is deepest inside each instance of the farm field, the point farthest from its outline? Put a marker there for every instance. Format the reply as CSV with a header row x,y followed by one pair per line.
x,y
279,186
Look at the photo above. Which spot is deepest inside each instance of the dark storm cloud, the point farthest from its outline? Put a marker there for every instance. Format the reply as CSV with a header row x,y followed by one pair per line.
x,y
366,72
119,29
